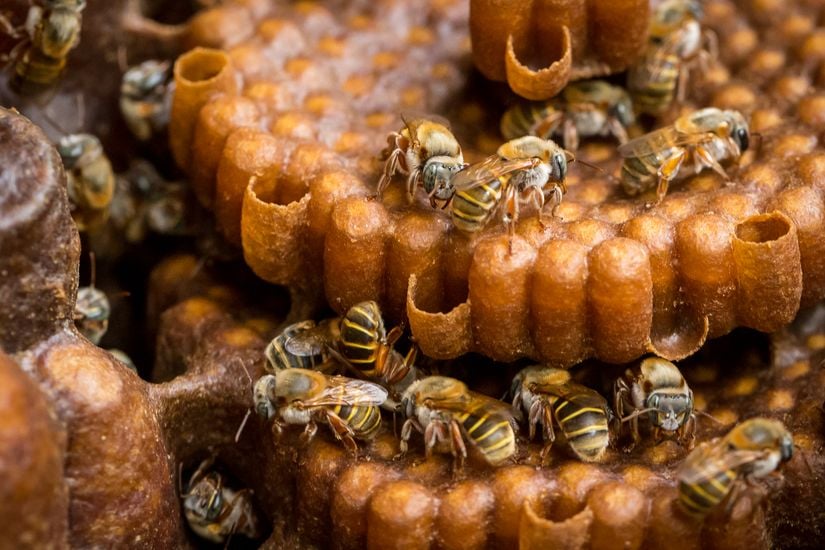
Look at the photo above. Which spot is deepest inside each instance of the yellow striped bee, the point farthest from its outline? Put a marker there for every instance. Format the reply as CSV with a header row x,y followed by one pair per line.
x,y
447,414
704,137
365,344
91,180
522,170
53,31
304,397
584,109
654,388
216,512
303,345
676,44
146,98
715,469
429,155
549,397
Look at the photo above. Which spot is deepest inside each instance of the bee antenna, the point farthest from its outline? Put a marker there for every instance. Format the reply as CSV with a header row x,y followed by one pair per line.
x,y
593,166
245,370
243,425
637,413
710,416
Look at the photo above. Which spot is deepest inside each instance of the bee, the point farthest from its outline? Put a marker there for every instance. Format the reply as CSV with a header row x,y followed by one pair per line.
x,y
216,512
708,135
91,180
91,313
302,345
53,31
429,155
549,397
655,388
447,414
146,98
304,397
521,170
753,449
360,341
677,42
584,109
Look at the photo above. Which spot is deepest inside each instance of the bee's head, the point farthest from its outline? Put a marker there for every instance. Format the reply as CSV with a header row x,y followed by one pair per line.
x,y
263,389
623,111
670,410
205,499
558,162
438,175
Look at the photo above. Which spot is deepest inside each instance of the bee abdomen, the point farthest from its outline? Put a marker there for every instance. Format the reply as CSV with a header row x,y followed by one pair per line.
x,y
363,419
491,433
699,498
637,175
471,209
35,72
361,331
585,427
652,93
520,119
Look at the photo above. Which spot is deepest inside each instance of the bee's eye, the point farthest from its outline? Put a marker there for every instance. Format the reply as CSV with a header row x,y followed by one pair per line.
x,y
742,138
560,165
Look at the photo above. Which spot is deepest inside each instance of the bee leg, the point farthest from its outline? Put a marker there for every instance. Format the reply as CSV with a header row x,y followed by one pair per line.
x,y
617,130
309,432
681,85
686,434
547,126
392,164
406,433
667,171
533,418
549,434
205,464
458,446
706,158
277,429
342,431
509,213
432,435
571,135
620,390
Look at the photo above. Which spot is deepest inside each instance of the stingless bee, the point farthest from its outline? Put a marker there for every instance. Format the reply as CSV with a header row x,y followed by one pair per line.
x,y
146,98
91,180
360,341
447,414
301,345
716,469
348,406
429,155
677,43
216,512
708,135
656,389
521,170
53,31
91,313
549,397
584,109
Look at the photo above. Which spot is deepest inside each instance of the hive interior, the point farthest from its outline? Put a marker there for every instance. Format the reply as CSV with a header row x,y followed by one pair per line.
x,y
308,135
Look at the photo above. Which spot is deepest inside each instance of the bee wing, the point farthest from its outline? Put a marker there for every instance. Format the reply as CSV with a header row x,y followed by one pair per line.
x,y
341,390
712,457
308,342
660,139
488,170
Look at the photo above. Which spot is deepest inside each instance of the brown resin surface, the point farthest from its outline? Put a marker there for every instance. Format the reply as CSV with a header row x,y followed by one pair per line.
x,y
283,143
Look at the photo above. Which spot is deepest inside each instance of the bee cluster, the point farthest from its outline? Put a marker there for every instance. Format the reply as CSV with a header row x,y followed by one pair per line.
x,y
276,135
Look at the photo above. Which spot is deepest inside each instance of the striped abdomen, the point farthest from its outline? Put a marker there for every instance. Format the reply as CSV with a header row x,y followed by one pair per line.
x,y
521,120
471,209
280,358
490,431
362,335
700,497
653,82
641,173
363,419
583,421
35,72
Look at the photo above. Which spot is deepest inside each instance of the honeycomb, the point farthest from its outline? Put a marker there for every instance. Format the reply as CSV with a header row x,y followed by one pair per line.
x,y
91,453
609,278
